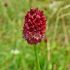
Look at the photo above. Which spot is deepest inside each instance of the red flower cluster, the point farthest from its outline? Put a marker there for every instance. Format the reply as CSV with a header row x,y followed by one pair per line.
x,y
35,26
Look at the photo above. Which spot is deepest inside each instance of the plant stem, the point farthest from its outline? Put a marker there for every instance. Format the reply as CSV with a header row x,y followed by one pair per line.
x,y
49,56
36,58
30,2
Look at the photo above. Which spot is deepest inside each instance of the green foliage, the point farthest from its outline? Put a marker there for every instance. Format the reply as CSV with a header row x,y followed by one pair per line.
x,y
16,53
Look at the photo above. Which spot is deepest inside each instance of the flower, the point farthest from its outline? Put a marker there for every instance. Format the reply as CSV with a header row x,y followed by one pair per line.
x,y
15,51
35,26
55,5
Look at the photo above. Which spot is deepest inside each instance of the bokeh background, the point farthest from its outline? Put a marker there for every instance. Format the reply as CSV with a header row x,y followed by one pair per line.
x,y
16,53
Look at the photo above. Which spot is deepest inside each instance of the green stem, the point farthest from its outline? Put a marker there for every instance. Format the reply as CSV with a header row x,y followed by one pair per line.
x,y
36,58
49,56
30,2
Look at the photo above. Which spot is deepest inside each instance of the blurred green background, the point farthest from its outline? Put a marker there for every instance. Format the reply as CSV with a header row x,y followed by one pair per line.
x,y
16,53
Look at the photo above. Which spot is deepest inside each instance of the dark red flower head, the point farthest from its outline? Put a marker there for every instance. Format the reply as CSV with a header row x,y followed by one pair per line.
x,y
35,26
